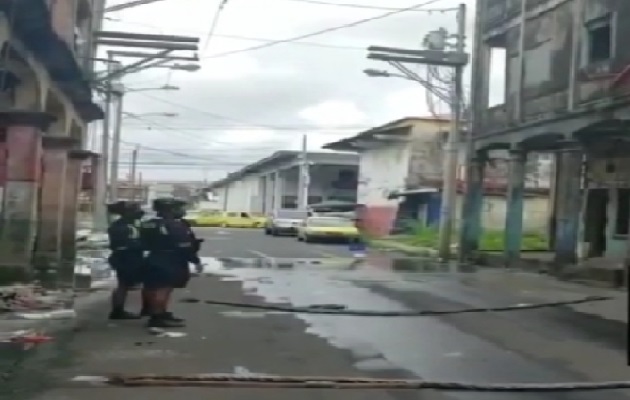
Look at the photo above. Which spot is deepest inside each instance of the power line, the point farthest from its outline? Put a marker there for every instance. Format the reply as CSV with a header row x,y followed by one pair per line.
x,y
248,125
368,7
214,23
251,38
324,31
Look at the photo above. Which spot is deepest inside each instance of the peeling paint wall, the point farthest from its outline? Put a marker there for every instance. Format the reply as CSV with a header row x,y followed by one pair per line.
x,y
556,72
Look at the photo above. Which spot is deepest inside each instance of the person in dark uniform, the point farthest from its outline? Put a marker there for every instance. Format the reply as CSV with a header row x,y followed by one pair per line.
x,y
126,257
170,248
180,214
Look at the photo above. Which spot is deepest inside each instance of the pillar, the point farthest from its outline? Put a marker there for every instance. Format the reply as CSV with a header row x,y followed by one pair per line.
x,y
471,231
53,185
513,233
278,189
74,169
23,140
569,205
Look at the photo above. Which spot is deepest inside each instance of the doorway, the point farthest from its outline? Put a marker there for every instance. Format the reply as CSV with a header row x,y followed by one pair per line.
x,y
596,221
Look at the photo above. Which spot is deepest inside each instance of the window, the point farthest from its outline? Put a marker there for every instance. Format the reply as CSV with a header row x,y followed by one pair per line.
x,y
622,220
232,214
599,39
244,215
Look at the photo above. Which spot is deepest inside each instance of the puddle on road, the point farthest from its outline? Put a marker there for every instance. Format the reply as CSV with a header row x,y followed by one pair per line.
x,y
425,347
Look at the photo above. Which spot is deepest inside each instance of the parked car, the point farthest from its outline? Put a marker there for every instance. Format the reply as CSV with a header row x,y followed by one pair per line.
x,y
205,217
241,220
285,222
328,228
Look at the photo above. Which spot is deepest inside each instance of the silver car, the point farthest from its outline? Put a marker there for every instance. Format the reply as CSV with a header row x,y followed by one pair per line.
x,y
285,222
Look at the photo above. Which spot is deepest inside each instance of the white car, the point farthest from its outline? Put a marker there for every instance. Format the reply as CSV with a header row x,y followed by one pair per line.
x,y
285,222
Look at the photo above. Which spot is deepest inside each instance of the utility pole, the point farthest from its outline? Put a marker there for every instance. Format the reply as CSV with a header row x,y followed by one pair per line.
x,y
100,195
440,53
304,178
165,44
449,182
115,164
132,174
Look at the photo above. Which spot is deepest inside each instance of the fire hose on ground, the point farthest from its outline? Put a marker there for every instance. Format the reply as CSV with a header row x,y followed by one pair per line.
x,y
334,309
325,382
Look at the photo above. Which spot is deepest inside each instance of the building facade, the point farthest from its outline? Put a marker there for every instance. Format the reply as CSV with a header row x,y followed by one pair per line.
x,y
566,91
45,107
273,183
400,178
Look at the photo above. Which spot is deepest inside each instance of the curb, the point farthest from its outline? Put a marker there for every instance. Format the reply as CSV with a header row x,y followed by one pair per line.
x,y
586,275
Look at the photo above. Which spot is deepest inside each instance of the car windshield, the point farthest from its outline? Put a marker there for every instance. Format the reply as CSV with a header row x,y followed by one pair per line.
x,y
329,222
291,214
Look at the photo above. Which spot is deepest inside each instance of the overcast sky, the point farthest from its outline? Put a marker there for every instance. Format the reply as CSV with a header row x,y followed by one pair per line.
x,y
241,107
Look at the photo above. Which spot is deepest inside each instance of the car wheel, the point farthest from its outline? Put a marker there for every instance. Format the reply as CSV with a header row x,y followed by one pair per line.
x,y
223,225
267,231
299,238
274,232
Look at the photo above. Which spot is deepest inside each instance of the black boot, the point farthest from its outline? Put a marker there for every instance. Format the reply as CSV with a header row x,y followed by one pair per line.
x,y
169,316
122,315
160,321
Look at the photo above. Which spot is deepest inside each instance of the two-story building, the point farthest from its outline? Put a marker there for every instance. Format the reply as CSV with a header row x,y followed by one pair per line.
x,y
45,107
401,178
273,183
566,91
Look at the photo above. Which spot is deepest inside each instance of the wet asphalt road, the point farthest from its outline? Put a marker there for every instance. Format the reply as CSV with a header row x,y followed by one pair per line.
x,y
248,243
551,345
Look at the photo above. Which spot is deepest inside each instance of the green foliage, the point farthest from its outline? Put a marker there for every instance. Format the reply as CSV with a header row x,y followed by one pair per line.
x,y
491,240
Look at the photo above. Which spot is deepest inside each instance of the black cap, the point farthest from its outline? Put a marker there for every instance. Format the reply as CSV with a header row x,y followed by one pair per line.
x,y
167,203
117,207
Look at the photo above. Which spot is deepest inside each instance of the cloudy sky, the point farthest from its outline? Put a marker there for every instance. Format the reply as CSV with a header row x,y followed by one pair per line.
x,y
244,104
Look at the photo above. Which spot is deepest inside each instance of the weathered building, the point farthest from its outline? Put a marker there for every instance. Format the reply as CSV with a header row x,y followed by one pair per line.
x,y
45,107
273,182
401,178
566,91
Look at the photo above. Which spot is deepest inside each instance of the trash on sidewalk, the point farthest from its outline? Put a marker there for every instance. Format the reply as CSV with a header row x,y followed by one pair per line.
x,y
32,298
66,313
159,332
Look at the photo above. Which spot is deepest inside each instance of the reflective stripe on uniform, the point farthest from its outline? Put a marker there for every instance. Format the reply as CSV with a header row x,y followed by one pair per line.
x,y
135,232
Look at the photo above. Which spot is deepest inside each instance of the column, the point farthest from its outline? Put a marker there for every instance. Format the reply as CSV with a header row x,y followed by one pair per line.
x,y
470,233
21,194
53,186
278,189
74,169
269,184
569,205
514,219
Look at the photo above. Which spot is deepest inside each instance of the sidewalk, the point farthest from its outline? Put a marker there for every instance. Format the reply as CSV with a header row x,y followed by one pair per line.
x,y
596,272
234,342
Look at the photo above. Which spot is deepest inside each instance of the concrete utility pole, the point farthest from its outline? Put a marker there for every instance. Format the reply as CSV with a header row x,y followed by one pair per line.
x,y
113,172
165,44
449,191
437,55
132,174
304,177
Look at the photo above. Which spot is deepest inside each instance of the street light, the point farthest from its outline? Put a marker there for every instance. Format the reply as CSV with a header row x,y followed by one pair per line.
x,y
165,87
151,114
381,73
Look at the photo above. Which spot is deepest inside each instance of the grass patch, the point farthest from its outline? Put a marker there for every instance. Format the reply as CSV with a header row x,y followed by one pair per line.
x,y
490,240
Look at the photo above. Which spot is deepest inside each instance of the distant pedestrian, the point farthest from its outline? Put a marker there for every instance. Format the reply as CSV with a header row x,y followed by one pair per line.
x,y
126,257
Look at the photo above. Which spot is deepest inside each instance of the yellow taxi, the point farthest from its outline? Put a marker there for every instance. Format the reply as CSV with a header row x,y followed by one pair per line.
x,y
241,220
205,217
327,228
260,217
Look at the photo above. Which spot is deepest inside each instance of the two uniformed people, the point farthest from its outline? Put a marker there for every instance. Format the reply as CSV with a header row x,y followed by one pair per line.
x,y
126,257
171,247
